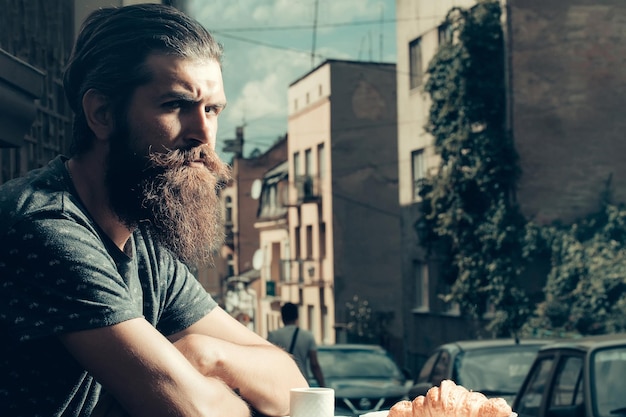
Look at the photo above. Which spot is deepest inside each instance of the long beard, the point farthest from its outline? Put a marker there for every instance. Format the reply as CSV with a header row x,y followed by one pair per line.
x,y
180,202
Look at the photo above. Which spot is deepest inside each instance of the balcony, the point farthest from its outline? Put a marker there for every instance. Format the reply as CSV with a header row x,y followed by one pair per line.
x,y
308,189
301,271
229,238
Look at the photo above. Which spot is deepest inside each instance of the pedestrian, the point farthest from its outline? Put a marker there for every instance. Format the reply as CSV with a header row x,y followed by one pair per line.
x,y
299,343
95,292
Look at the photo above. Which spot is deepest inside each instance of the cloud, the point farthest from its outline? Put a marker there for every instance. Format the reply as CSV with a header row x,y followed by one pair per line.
x,y
260,64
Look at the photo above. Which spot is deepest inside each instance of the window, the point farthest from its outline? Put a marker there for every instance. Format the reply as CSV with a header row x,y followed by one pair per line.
x,y
309,242
308,162
296,164
321,160
297,242
419,171
567,391
230,266
531,398
444,32
420,272
286,274
228,205
415,63
322,240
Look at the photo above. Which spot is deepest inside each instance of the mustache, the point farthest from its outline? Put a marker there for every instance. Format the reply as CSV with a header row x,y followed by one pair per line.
x,y
183,157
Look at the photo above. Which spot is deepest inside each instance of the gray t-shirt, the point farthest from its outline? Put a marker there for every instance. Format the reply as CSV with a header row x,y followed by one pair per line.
x,y
60,273
305,342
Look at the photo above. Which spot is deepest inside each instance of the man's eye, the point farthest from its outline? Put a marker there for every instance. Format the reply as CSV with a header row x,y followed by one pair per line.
x,y
173,105
212,109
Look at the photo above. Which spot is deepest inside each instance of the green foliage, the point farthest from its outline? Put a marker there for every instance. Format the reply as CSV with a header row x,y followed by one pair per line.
x,y
473,224
586,287
468,205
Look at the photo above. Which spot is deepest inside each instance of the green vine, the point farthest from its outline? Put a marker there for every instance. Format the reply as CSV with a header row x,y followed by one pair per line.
x,y
586,287
471,221
468,206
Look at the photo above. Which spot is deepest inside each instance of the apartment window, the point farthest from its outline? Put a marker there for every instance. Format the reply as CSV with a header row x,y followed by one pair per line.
x,y
444,32
420,273
286,262
230,266
320,90
228,205
308,162
309,242
296,164
297,243
310,315
322,240
321,160
272,197
307,98
415,63
419,171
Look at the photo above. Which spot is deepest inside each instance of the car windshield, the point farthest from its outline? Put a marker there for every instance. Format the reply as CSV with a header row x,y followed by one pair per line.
x,y
494,371
607,382
355,363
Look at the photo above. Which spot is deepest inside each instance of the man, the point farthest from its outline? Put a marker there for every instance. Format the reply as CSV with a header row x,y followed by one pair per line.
x,y
298,342
94,294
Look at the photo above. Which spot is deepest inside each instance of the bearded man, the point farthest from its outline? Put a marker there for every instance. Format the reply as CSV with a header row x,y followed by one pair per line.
x,y
95,294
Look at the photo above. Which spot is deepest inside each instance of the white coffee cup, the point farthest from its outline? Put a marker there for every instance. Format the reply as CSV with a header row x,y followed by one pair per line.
x,y
312,402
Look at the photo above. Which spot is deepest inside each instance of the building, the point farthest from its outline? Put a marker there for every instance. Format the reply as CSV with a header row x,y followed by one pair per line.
x,y
239,269
36,39
343,216
272,225
564,93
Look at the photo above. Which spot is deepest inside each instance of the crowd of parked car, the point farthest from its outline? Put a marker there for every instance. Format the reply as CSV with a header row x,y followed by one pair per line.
x,y
576,377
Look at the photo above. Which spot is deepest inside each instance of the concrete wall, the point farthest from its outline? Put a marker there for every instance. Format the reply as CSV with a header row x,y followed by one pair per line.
x,y
366,218
568,89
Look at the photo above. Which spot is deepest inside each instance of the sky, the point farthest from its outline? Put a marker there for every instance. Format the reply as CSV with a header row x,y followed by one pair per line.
x,y
268,44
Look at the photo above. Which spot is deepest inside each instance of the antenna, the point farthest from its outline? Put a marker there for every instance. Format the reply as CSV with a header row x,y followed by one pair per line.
x,y
317,2
382,15
257,259
255,191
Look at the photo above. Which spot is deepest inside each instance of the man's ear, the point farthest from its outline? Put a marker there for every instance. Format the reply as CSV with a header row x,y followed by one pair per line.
x,y
98,113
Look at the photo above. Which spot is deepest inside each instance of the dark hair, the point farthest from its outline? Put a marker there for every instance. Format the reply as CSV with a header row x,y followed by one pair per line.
x,y
289,312
111,49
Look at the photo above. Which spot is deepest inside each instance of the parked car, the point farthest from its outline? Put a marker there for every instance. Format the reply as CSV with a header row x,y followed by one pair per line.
x,y
495,367
583,377
365,378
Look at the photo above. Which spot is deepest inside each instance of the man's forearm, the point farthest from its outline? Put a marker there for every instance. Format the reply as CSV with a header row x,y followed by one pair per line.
x,y
261,374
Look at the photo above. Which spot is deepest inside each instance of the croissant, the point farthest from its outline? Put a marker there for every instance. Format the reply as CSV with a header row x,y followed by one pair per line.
x,y
451,400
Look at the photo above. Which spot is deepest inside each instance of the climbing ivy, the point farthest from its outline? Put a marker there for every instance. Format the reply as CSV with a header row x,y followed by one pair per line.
x,y
585,291
471,220
468,205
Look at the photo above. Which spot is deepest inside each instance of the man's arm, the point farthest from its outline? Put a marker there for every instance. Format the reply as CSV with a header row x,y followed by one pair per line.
x,y
147,375
263,374
316,369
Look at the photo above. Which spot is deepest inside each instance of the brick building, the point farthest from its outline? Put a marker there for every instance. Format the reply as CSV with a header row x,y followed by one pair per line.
x,y
565,92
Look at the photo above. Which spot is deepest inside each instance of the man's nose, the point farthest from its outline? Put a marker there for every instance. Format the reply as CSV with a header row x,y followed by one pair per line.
x,y
202,128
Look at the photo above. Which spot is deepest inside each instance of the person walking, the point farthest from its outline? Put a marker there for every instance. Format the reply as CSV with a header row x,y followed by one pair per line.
x,y
299,343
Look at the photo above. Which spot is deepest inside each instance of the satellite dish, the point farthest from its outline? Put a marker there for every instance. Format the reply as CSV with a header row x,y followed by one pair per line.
x,y
255,192
257,259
